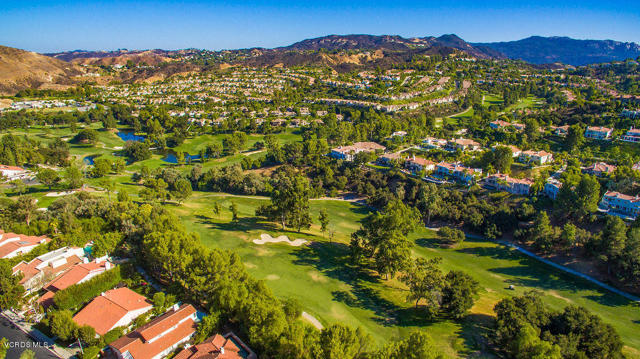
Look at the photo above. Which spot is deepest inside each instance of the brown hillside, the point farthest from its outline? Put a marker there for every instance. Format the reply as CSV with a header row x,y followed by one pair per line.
x,y
20,69
149,57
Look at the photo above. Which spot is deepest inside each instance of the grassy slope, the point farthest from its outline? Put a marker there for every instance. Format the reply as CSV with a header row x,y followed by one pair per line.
x,y
320,277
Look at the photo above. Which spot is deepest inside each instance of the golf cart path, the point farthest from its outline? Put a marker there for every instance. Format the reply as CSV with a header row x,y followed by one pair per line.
x,y
555,265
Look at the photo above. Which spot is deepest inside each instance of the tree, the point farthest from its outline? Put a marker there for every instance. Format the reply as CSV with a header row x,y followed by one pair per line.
x,y
136,151
4,346
47,176
233,207
324,221
25,208
419,345
108,186
87,335
207,326
542,232
154,190
528,345
213,150
11,291
575,137
101,167
86,136
502,159
568,236
289,201
341,342
18,186
430,202
451,235
588,194
425,281
459,293
106,244
382,238
119,165
62,325
216,209
73,177
180,158
182,190
613,239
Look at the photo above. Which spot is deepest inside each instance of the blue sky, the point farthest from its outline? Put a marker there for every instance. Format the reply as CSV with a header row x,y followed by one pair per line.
x,y
49,26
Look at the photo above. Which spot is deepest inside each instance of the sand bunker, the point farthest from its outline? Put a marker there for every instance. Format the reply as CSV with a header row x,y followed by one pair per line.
x,y
266,238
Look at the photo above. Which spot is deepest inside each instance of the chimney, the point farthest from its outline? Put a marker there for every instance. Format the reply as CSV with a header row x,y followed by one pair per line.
x,y
222,350
176,307
107,265
102,294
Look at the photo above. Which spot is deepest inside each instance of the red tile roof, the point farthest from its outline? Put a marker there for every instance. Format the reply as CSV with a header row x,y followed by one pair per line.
x,y
22,240
104,311
216,347
138,345
165,321
75,275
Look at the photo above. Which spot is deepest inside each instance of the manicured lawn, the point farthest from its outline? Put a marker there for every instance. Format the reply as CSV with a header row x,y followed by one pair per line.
x,y
320,276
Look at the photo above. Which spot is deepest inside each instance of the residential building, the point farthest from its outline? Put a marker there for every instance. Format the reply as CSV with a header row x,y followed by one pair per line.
x,y
620,204
463,144
552,188
77,274
457,172
348,152
633,135
400,134
599,169
159,337
499,124
227,346
389,159
502,125
42,269
113,308
13,245
561,131
630,114
417,164
13,172
536,157
598,133
432,142
515,151
503,182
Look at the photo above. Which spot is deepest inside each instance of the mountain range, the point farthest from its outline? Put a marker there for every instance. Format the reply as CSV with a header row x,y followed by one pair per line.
x,y
21,69
544,50
535,49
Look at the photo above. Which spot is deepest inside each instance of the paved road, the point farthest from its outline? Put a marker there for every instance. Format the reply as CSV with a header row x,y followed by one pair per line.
x,y
19,341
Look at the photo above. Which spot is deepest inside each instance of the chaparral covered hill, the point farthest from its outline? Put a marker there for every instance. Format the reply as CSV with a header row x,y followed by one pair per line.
x,y
20,69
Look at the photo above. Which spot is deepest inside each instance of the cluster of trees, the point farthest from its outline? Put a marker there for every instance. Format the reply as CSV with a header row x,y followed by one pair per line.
x,y
20,151
382,243
290,193
526,329
104,166
136,151
452,294
617,245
